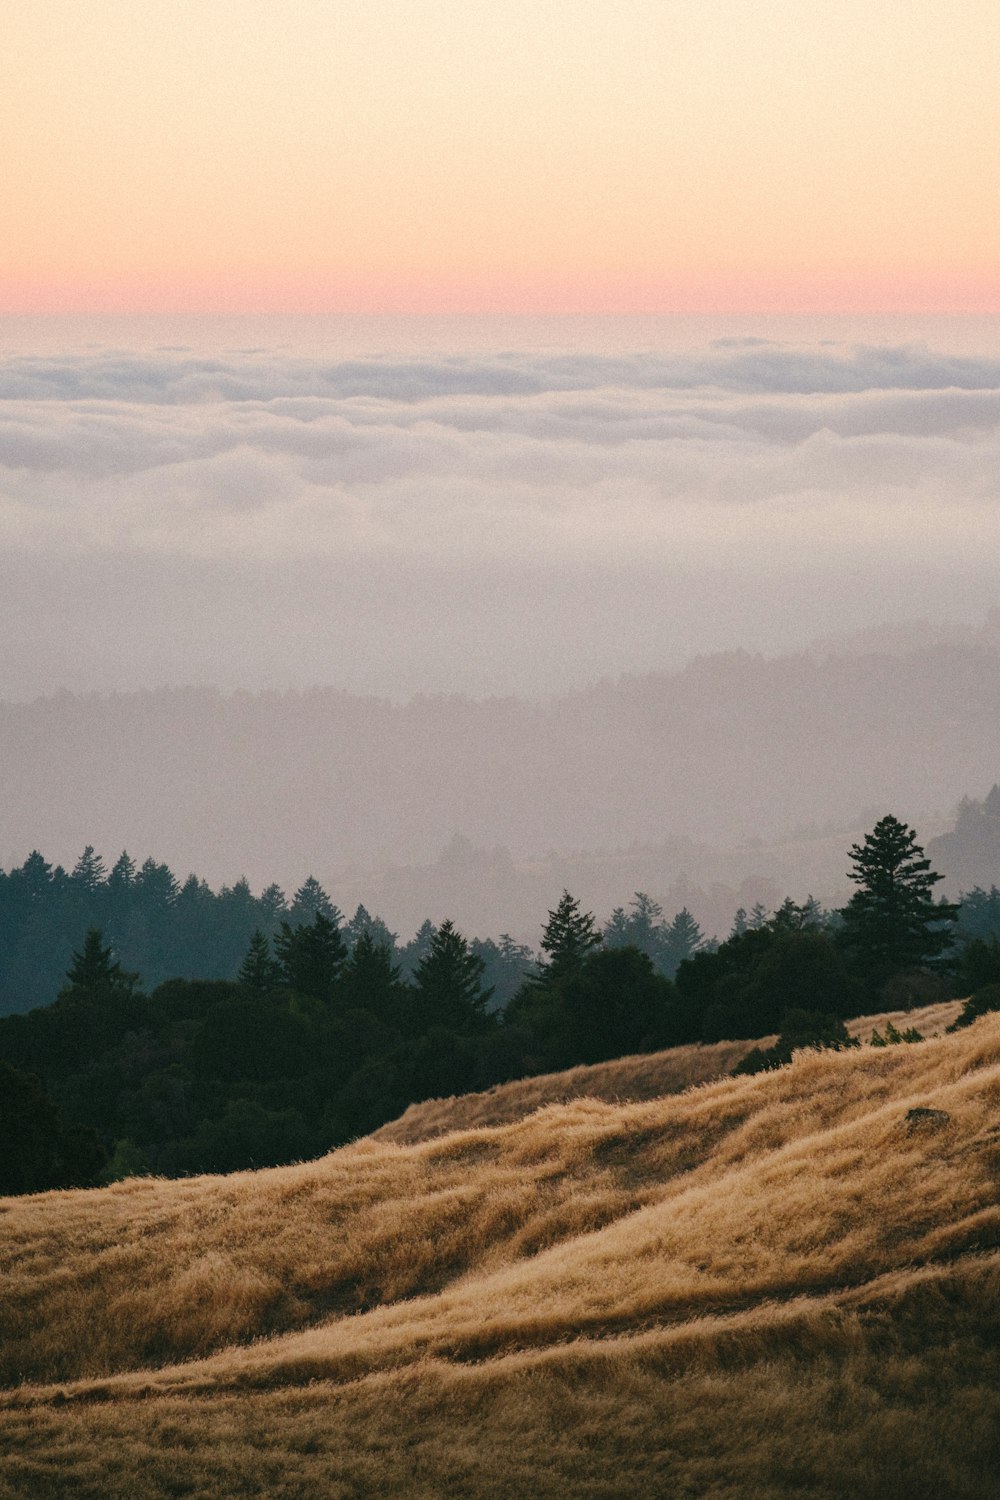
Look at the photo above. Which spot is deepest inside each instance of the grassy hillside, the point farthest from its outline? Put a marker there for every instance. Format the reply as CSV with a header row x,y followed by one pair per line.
x,y
761,1287
624,1080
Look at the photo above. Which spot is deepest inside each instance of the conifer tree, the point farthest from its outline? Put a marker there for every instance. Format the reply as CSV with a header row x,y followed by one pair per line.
x,y
309,901
311,956
89,870
684,938
370,980
259,972
568,937
448,984
892,922
95,968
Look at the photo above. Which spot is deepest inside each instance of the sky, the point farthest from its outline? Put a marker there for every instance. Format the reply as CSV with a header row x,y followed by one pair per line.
x,y
445,345
533,156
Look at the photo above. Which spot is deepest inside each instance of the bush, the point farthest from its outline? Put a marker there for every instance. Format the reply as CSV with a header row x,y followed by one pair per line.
x,y
978,1004
799,1028
892,1037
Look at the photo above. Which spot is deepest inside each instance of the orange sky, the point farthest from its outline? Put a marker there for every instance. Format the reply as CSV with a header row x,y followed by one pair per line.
x,y
526,155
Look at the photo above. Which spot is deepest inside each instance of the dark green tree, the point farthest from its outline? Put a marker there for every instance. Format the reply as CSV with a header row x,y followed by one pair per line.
x,y
417,948
448,985
507,965
569,935
614,1004
370,980
36,1151
800,1029
363,922
259,971
89,872
311,956
94,968
683,939
892,922
309,901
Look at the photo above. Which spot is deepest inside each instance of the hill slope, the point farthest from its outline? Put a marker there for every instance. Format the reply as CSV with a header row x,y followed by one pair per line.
x,y
763,1286
625,1080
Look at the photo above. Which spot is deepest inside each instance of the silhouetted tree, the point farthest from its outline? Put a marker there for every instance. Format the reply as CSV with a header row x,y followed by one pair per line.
x,y
95,968
89,873
417,948
683,938
740,923
507,965
448,985
370,981
311,956
363,922
892,922
979,913
569,935
310,901
259,971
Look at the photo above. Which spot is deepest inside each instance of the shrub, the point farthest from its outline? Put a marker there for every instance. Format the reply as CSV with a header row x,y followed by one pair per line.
x,y
892,1037
799,1028
978,1004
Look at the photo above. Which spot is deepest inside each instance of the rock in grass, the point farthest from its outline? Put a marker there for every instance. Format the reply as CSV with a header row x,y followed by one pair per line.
x,y
924,1116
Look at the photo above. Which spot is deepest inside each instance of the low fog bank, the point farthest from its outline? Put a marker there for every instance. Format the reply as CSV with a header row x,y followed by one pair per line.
x,y
738,779
480,522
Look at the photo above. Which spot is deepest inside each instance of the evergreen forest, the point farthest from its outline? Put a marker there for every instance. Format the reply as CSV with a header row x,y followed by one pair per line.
x,y
160,1027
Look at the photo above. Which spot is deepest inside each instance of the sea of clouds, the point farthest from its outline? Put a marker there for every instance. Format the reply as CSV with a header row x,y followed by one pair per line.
x,y
480,523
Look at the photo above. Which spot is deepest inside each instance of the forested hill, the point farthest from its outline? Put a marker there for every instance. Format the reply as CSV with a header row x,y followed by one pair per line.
x,y
277,784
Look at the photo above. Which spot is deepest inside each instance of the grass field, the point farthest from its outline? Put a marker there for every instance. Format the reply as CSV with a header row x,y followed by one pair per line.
x,y
758,1287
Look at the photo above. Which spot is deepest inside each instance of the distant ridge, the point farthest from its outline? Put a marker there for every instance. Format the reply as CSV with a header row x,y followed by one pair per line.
x,y
277,785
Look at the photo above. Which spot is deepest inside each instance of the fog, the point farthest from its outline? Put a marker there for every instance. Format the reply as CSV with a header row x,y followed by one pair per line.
x,y
619,604
418,515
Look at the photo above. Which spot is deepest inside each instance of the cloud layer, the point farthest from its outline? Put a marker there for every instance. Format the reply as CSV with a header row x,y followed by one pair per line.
x,y
509,523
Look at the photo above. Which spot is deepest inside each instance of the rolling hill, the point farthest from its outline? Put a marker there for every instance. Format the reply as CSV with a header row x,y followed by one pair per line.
x,y
762,1286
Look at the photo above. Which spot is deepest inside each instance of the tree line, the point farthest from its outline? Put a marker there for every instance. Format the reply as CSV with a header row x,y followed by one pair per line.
x,y
327,1028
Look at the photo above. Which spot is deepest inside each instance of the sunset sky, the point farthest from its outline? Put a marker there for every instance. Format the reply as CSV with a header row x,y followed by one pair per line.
x,y
522,156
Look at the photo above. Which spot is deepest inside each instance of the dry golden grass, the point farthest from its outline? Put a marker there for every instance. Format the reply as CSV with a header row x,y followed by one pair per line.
x,y
929,1020
625,1080
760,1287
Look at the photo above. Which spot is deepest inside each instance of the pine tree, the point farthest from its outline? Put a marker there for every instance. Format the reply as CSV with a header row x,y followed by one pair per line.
x,y
95,968
448,985
684,938
272,905
892,922
363,922
418,947
309,901
311,956
123,872
88,872
259,971
370,980
616,929
568,937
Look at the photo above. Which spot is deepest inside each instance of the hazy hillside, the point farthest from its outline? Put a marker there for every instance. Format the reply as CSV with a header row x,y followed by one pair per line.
x,y
731,749
769,1286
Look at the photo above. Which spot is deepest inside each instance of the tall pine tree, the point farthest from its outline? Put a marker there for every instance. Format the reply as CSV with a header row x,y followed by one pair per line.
x,y
892,922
